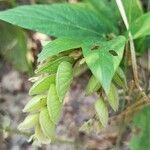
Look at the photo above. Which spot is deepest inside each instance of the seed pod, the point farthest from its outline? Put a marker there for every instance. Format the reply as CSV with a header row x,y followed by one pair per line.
x,y
42,85
53,104
35,104
64,77
47,126
29,122
102,111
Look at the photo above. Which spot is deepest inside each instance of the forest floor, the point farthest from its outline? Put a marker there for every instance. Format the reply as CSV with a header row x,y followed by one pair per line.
x,y
78,108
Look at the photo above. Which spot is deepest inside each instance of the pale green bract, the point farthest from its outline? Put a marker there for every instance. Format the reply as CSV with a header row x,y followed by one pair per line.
x,y
64,77
29,122
92,86
113,98
47,126
51,66
42,85
101,60
102,111
35,104
53,104
59,45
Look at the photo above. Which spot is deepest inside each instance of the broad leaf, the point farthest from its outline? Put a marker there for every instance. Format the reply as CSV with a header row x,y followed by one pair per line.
x,y
35,104
141,27
113,98
13,46
42,85
29,122
103,59
59,45
57,20
47,126
102,111
141,139
105,9
53,104
64,77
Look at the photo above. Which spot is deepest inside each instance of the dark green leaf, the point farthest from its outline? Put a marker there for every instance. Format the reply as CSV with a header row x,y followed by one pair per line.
x,y
13,46
57,20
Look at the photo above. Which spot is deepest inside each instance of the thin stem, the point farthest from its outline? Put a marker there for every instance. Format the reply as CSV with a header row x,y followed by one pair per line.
x,y
132,48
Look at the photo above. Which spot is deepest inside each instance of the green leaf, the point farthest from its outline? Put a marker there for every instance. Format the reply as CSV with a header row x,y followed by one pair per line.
x,y
13,47
102,111
57,20
92,86
35,104
141,139
57,46
101,61
47,126
113,98
105,9
29,122
52,65
133,9
64,77
53,104
141,27
42,85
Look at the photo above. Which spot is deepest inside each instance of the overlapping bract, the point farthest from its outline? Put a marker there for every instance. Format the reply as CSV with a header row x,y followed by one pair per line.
x,y
46,105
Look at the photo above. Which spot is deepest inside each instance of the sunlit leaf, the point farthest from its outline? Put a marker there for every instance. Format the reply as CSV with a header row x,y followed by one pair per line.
x,y
101,62
141,27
